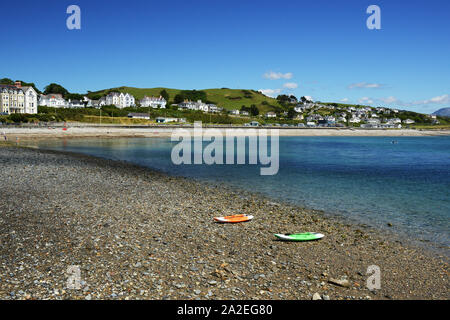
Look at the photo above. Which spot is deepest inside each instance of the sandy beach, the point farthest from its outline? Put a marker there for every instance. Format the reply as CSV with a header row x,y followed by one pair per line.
x,y
139,234
160,131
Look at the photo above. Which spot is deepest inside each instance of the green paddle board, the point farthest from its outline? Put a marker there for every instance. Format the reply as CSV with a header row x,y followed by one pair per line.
x,y
307,236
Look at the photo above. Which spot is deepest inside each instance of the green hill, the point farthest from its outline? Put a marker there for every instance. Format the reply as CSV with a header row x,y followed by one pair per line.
x,y
227,98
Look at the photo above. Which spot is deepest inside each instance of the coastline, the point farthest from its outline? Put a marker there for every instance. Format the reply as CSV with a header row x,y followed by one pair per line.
x,y
238,261
32,133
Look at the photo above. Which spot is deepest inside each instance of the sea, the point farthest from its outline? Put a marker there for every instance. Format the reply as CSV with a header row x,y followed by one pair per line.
x,y
399,184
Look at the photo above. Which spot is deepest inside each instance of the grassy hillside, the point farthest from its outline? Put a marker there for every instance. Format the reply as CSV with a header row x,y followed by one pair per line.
x,y
227,98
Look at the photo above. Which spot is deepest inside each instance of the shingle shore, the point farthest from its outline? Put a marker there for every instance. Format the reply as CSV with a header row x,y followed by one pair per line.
x,y
140,234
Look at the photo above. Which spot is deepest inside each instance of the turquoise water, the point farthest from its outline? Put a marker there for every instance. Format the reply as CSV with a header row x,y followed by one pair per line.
x,y
365,179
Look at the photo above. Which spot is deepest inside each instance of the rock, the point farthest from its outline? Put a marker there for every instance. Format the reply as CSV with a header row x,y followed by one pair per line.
x,y
316,296
341,283
325,297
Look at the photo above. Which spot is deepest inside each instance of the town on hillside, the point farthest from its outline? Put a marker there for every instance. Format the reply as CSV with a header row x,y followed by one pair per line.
x,y
287,111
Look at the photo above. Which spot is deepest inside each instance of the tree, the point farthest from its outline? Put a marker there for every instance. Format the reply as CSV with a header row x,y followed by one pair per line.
x,y
74,96
165,95
291,113
55,88
6,81
194,95
283,98
179,98
304,99
254,111
244,108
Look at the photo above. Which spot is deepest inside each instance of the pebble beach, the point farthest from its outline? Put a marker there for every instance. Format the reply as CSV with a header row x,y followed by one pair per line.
x,y
135,233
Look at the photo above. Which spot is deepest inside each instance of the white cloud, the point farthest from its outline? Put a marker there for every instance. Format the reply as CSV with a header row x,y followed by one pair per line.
x,y
278,75
444,99
389,100
309,98
344,100
270,92
439,100
365,85
365,100
290,85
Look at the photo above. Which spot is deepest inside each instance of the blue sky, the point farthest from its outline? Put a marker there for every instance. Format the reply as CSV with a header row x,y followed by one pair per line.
x,y
321,49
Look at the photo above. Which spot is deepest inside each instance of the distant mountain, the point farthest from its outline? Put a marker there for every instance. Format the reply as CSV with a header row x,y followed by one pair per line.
x,y
444,112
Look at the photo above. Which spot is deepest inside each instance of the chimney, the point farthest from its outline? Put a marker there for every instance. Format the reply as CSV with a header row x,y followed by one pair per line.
x,y
18,84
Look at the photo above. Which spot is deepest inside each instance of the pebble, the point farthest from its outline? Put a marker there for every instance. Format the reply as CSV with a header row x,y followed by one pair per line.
x,y
138,233
340,282
316,296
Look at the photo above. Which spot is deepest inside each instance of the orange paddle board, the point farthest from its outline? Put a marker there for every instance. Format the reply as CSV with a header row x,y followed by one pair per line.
x,y
234,219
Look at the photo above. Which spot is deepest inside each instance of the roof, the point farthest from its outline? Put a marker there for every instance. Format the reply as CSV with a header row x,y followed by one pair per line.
x,y
52,95
138,115
153,98
10,87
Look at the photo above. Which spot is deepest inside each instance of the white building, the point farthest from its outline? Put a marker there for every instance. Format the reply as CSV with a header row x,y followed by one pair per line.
x,y
198,106
87,102
53,100
299,108
213,108
235,112
314,117
271,114
75,104
145,116
11,99
167,120
153,102
373,121
31,99
18,99
120,100
102,102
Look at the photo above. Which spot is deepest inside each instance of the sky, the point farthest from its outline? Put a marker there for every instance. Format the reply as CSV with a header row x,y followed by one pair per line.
x,y
322,49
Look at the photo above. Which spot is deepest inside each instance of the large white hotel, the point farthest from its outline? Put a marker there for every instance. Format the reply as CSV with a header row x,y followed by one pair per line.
x,y
18,99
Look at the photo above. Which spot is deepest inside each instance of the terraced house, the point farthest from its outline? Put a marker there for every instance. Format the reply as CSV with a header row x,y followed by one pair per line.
x,y
153,102
18,99
53,100
120,100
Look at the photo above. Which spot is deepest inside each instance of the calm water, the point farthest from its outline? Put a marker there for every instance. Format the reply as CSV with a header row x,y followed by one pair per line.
x,y
366,179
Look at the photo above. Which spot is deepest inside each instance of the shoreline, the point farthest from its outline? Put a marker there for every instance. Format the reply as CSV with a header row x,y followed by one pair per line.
x,y
126,132
346,251
431,248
